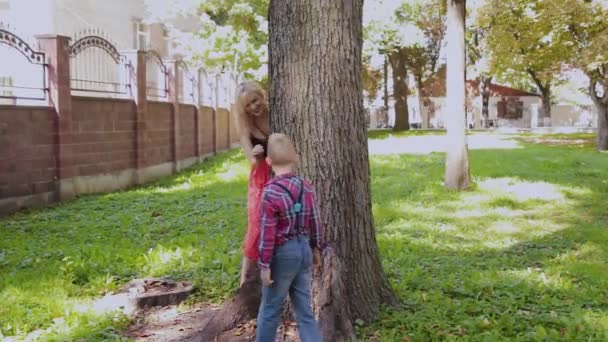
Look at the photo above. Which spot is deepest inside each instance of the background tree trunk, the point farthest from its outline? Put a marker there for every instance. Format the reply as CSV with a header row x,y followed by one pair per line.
x,y
457,161
484,92
398,61
385,86
316,98
602,125
601,104
546,93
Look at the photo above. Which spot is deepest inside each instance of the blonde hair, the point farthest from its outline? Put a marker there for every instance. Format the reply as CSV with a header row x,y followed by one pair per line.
x,y
281,150
245,92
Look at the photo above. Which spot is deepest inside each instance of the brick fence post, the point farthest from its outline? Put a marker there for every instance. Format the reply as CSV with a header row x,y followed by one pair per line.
x,y
57,51
138,80
174,97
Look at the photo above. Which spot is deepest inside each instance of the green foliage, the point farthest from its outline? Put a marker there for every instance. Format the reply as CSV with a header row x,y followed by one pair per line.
x,y
523,43
228,30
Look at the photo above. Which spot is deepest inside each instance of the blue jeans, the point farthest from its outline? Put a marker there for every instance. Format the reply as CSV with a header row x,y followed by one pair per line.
x,y
291,271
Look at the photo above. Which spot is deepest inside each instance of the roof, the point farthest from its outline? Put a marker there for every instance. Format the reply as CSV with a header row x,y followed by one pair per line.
x,y
435,87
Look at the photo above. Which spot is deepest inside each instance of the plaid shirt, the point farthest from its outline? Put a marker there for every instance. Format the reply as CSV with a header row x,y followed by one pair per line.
x,y
279,221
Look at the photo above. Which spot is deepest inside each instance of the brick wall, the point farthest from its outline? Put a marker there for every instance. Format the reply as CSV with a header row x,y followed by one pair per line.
x,y
103,136
234,138
27,151
187,127
222,124
158,145
206,129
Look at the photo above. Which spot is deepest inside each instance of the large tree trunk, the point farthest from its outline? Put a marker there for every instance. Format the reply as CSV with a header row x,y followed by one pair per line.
x,y
484,92
316,98
457,161
241,308
398,61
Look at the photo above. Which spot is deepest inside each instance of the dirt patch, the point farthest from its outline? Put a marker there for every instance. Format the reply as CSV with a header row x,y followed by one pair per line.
x,y
171,324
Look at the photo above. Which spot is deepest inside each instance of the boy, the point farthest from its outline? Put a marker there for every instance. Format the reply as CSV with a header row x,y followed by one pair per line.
x,y
289,244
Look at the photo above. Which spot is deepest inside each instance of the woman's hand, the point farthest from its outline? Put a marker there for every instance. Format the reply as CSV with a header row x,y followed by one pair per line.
x,y
258,153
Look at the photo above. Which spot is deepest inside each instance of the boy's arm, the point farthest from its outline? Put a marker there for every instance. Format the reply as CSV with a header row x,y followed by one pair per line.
x,y
267,231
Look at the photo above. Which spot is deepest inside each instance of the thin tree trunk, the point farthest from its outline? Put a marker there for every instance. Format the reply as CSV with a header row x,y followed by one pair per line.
x,y
424,116
316,98
457,161
601,104
385,90
546,93
484,92
399,68
602,126
545,90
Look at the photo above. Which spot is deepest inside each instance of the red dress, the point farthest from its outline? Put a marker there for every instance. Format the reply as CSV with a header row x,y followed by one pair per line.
x,y
259,176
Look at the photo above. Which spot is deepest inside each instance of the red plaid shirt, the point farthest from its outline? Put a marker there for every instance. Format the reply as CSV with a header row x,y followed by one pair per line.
x,y
279,220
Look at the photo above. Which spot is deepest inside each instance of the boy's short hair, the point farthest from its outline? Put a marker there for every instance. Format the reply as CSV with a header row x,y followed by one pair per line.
x,y
281,151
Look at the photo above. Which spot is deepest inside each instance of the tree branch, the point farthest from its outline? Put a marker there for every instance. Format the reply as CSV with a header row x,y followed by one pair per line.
x,y
592,93
537,81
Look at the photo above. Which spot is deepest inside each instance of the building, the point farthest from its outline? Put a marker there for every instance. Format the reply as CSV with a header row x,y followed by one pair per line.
x,y
126,25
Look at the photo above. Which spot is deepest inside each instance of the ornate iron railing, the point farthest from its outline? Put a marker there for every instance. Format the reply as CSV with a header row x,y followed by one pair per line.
x,y
22,83
188,91
97,66
157,75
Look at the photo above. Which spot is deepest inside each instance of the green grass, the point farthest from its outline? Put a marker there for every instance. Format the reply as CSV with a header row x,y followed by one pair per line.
x,y
520,257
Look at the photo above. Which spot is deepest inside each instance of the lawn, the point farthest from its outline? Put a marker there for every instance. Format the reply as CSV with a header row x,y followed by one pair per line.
x,y
520,257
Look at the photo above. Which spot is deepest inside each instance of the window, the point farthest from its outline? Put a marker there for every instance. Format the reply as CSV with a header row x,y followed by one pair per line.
x,y
141,36
510,109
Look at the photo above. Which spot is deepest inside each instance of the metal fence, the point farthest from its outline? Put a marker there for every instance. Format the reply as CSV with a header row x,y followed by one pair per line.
x,y
157,76
96,66
22,69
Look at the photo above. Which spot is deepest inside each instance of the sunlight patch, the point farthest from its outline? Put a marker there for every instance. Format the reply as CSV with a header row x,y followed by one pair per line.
x,y
523,190
536,275
231,173
505,227
179,187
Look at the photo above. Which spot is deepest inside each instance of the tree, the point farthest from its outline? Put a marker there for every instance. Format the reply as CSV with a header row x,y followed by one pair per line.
x,y
316,97
457,161
523,45
384,34
584,25
228,34
423,56
372,80
478,58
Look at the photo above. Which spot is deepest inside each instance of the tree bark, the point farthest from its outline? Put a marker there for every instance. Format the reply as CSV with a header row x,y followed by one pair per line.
x,y
398,61
316,98
424,116
243,307
484,92
457,161
545,90
602,126
601,104
385,86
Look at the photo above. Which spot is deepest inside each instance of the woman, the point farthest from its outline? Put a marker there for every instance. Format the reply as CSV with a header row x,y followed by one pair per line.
x,y
253,126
